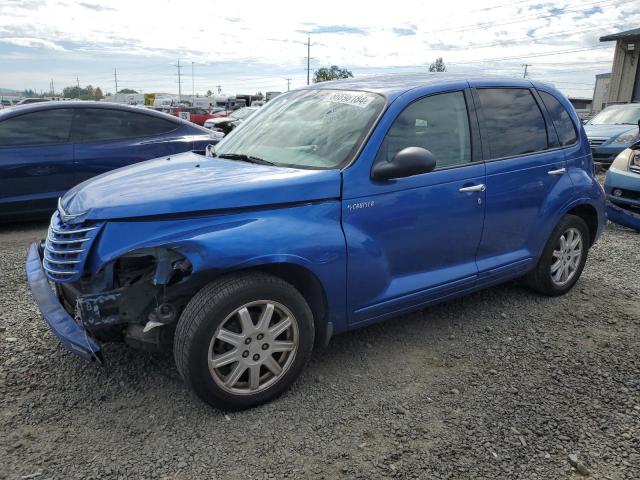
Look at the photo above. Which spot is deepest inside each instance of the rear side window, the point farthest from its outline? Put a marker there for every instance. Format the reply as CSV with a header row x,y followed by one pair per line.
x,y
44,127
560,118
513,121
94,124
439,123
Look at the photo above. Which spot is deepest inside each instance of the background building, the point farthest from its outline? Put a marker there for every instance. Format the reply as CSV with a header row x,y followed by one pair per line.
x,y
601,92
625,79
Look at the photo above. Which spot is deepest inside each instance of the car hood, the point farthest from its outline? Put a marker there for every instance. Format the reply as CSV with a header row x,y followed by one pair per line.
x,y
607,131
191,183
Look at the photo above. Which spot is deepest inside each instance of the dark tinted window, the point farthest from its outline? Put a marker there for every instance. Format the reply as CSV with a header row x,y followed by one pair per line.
x,y
512,121
560,118
438,123
37,128
102,124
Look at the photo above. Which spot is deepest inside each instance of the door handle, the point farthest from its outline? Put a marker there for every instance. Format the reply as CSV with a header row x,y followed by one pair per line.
x,y
559,171
474,188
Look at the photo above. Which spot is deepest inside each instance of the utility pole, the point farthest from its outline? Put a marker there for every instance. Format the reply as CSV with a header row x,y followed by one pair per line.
x,y
308,57
288,83
179,83
526,65
78,82
219,87
193,85
115,77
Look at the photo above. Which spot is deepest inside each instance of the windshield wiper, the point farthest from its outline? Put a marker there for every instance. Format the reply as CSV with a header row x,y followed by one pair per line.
x,y
245,158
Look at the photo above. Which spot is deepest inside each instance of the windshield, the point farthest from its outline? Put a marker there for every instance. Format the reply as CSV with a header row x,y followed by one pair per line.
x,y
617,116
306,128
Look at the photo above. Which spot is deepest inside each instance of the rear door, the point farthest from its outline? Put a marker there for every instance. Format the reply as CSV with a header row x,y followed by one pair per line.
x,y
106,139
36,160
523,164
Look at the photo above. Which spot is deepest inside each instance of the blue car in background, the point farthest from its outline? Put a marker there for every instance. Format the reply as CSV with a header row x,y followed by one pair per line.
x,y
332,207
622,186
612,130
47,148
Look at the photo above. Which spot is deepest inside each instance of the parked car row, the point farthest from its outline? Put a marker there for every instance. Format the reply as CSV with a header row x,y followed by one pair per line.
x,y
47,148
224,124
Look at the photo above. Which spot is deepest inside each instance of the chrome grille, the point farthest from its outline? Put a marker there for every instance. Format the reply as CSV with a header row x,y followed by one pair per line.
x,y
596,142
66,249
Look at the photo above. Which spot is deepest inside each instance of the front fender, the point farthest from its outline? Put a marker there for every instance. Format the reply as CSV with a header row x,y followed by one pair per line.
x,y
307,235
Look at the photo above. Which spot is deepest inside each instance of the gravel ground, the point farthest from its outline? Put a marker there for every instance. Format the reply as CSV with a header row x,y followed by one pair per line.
x,y
500,384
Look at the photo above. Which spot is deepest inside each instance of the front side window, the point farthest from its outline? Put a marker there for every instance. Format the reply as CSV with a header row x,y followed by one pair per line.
x,y
306,128
43,127
560,118
513,122
98,124
438,123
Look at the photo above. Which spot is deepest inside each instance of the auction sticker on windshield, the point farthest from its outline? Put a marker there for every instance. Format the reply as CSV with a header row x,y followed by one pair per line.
x,y
350,98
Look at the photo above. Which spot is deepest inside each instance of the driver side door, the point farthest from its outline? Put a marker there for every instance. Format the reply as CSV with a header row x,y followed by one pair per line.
x,y
413,240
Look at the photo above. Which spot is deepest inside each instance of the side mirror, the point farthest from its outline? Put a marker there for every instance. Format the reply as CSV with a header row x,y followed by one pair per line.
x,y
407,162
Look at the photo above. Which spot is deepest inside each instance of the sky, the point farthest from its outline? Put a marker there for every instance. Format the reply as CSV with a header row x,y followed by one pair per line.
x,y
246,46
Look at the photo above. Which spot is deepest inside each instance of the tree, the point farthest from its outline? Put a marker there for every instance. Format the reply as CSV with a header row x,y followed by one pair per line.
x,y
86,93
209,93
127,91
332,73
29,93
438,66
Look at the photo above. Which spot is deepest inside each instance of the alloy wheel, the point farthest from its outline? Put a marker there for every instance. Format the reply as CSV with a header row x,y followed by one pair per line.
x,y
253,347
566,257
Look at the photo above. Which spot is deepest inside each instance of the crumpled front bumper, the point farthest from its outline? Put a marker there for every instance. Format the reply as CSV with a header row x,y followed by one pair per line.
x,y
71,335
623,216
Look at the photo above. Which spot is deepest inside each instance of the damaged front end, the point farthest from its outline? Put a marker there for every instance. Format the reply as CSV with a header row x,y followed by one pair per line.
x,y
133,296
136,298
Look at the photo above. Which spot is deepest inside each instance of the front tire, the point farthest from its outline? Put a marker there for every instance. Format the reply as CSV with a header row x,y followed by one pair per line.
x,y
563,258
243,340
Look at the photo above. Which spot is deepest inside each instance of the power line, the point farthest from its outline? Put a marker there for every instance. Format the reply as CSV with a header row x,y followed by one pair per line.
x,y
530,55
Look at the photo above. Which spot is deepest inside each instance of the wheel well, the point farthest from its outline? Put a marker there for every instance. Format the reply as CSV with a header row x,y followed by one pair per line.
x,y
310,288
590,217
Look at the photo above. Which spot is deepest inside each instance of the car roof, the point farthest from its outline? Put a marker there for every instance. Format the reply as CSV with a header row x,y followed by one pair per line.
x,y
393,85
35,107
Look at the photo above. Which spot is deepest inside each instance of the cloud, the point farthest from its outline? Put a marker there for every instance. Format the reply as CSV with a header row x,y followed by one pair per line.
x,y
587,13
32,42
96,7
345,29
404,32
244,46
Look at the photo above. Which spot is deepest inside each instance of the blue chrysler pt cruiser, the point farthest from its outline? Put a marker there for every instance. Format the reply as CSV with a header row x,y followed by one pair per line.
x,y
333,207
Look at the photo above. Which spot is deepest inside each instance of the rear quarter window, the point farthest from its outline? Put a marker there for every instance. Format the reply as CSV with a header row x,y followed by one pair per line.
x,y
561,119
95,124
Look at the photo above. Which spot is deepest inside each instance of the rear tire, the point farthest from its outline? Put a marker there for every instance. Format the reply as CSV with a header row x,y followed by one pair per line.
x,y
243,340
562,259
